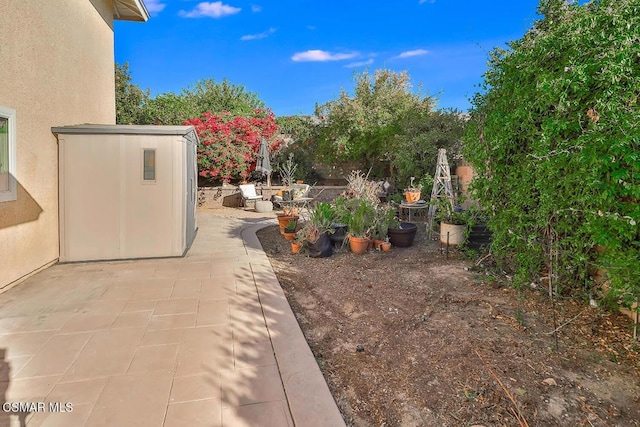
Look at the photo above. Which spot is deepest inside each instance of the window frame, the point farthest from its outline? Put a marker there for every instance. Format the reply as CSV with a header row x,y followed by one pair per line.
x,y
155,165
10,115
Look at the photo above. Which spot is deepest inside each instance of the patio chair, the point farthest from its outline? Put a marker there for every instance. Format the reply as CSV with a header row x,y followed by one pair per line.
x,y
248,193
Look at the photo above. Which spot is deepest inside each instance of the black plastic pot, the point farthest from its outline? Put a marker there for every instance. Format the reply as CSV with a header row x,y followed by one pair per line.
x,y
479,237
321,248
340,231
403,237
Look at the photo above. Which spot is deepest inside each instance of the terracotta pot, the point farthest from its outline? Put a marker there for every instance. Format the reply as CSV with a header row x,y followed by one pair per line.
x,y
377,243
358,245
385,246
283,220
295,247
412,196
289,236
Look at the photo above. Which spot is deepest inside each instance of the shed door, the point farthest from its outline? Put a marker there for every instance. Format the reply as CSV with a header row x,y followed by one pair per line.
x,y
192,188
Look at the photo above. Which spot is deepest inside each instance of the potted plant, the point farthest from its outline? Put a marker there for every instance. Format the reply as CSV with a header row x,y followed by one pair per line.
x,y
454,223
290,229
287,215
384,214
297,242
360,223
412,194
385,246
402,234
316,231
340,221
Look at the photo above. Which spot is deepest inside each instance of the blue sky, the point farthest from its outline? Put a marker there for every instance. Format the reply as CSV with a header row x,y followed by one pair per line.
x,y
295,53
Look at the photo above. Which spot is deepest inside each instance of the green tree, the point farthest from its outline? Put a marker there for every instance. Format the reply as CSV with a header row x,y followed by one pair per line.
x,y
422,134
555,141
362,126
206,95
130,99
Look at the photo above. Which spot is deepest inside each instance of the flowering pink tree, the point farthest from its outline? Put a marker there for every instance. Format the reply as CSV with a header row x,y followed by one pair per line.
x,y
229,144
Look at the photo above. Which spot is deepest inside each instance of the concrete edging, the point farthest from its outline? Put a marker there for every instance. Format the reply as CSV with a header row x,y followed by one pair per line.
x,y
310,401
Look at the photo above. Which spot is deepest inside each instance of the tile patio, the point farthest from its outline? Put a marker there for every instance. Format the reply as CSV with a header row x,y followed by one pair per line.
x,y
204,340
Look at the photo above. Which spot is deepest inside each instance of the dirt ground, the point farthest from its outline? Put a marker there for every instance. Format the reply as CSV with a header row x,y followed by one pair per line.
x,y
411,338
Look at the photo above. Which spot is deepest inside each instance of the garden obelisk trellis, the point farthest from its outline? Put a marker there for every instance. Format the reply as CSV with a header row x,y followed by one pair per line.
x,y
442,188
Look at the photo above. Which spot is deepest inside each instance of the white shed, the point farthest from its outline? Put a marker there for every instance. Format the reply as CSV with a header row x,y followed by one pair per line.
x,y
126,191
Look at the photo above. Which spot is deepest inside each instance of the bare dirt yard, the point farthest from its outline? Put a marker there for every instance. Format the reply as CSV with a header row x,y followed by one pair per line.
x,y
411,338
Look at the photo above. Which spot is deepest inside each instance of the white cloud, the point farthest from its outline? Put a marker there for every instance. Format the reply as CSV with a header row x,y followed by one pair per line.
x,y
255,8
410,53
360,64
321,56
154,6
210,10
261,35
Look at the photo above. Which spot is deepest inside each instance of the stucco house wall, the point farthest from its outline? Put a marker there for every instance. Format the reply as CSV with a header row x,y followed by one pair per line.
x,y
57,68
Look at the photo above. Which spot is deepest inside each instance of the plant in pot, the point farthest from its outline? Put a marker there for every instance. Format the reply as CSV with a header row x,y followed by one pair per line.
x,y
385,246
298,242
454,223
340,221
402,234
412,193
317,230
290,229
384,214
360,223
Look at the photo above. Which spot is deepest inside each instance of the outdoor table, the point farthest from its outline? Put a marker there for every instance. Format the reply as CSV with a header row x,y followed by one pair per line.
x,y
302,203
414,211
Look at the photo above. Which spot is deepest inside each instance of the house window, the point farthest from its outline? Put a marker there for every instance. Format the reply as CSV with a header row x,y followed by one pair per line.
x,y
149,165
7,154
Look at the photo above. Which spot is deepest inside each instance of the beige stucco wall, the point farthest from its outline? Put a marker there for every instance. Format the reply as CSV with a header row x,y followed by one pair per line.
x,y
57,65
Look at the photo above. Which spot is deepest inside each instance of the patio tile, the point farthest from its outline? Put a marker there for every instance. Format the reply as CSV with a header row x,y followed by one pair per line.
x,y
55,357
29,389
154,283
253,354
77,417
46,322
252,385
117,292
12,366
23,344
205,413
89,322
205,350
107,353
154,358
79,392
12,324
132,400
151,294
213,312
186,288
270,414
103,307
319,411
132,319
172,321
176,306
195,387
164,336
140,306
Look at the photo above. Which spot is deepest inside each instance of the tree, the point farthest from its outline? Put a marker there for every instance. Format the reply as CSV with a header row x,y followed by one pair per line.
x,y
362,126
554,139
229,144
206,95
422,134
130,99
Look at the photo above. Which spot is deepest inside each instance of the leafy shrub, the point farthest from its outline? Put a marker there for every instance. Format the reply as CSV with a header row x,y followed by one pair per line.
x,y
555,141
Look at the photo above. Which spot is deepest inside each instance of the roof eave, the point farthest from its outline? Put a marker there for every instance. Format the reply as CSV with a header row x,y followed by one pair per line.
x,y
130,10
